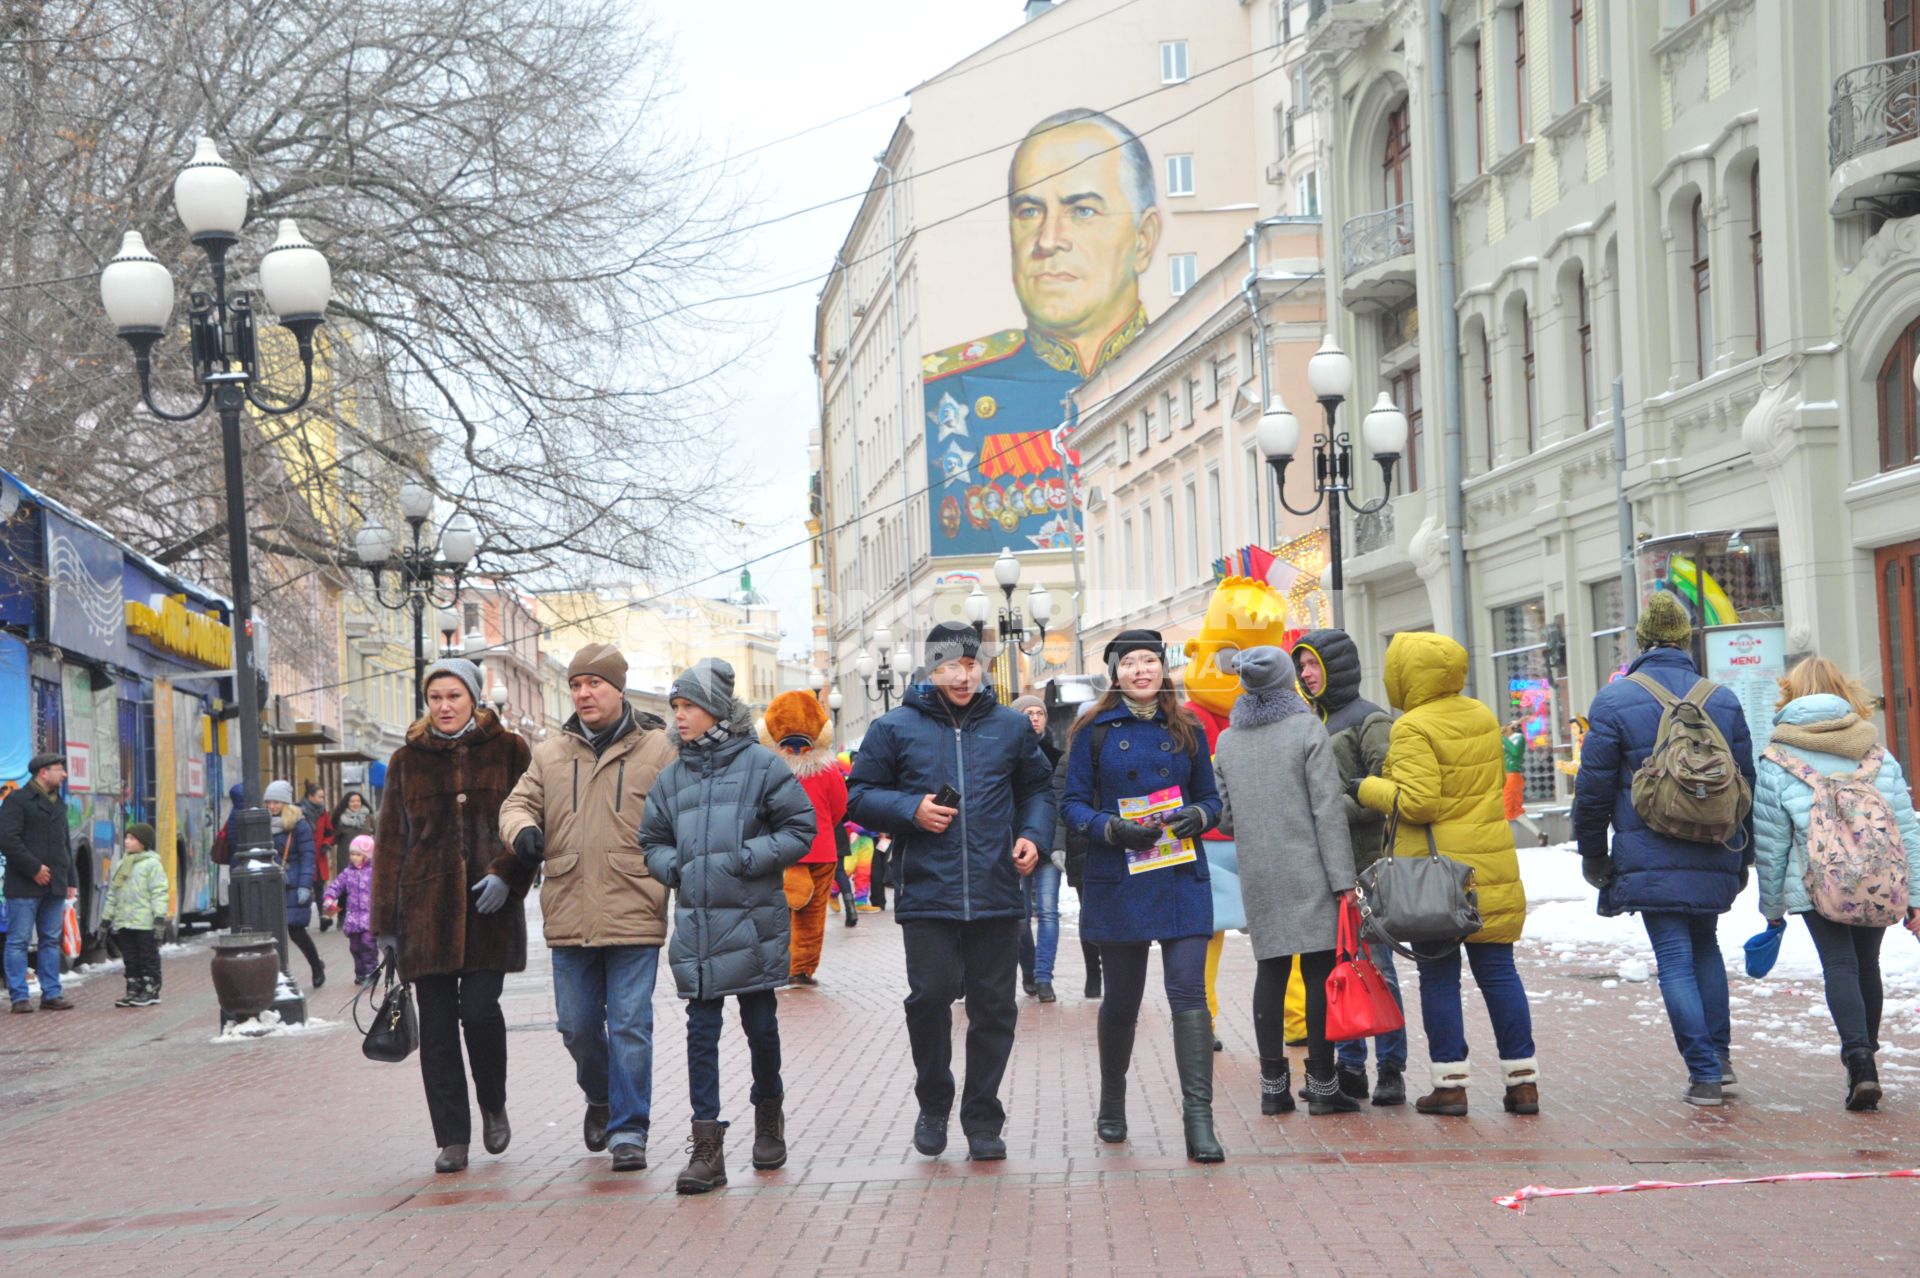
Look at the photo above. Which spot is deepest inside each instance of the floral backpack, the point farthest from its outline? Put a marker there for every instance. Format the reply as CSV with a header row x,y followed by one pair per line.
x,y
1856,862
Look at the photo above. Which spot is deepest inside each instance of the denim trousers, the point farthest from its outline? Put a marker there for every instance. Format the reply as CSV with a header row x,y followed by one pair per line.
x,y
45,913
1850,965
604,997
759,1017
1388,1049
1499,982
1041,893
1693,981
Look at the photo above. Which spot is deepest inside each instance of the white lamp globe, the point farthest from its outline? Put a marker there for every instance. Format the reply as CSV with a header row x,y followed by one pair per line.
x,y
1006,569
461,541
295,276
372,545
209,196
1279,432
883,638
135,288
835,701
975,605
1330,372
416,500
1384,429
863,664
902,661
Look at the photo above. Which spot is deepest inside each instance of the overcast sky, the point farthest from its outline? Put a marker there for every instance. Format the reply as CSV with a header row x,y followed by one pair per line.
x,y
756,70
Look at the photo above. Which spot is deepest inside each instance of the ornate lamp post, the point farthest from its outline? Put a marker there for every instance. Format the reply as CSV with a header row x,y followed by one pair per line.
x,y
1006,664
1383,431
834,702
418,569
137,293
887,672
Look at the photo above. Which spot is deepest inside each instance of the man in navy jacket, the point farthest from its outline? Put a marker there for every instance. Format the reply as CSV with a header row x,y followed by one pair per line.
x,y
1679,888
957,872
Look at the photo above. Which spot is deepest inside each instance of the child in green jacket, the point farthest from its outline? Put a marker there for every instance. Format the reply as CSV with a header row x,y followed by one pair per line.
x,y
137,912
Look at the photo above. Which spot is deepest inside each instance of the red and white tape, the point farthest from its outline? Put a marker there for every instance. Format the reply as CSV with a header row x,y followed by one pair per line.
x,y
1519,1199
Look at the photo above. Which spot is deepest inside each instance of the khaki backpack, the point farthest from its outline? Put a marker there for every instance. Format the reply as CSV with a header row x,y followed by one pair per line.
x,y
1690,788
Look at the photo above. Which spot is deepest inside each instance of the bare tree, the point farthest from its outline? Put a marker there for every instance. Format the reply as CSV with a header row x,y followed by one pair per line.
x,y
513,220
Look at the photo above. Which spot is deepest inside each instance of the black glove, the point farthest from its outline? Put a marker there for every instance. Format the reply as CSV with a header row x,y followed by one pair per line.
x,y
530,846
1353,788
1596,870
1188,822
1131,834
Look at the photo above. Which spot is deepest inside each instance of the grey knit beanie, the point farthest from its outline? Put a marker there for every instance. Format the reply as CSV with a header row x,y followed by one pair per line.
x,y
460,668
709,685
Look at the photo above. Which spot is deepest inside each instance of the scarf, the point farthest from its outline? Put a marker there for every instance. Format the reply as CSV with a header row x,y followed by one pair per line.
x,y
600,740
713,738
1141,709
1252,709
1849,736
438,735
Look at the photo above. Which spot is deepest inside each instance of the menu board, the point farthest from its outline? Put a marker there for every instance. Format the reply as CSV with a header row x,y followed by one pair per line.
x,y
1750,660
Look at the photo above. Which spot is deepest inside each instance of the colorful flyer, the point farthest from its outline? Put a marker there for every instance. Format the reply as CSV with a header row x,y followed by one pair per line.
x,y
1169,850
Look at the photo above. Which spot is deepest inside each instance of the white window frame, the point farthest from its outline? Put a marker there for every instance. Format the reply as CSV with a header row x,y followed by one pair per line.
x,y
1306,194
1173,62
1183,272
1180,174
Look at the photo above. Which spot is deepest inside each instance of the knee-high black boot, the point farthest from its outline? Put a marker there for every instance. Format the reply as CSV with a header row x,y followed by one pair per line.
x,y
1193,1057
1116,1053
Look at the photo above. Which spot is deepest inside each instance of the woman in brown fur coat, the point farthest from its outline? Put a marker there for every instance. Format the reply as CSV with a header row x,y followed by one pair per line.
x,y
447,899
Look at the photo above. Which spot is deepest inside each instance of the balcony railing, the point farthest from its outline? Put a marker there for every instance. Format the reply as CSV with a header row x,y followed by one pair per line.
x,y
1373,238
1874,106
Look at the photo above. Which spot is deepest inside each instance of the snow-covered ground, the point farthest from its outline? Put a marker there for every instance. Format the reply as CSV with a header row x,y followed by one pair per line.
x,y
1787,1009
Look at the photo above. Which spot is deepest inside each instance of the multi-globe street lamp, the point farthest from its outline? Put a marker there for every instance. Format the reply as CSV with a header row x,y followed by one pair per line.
x,y
888,671
1383,430
1006,664
418,569
296,283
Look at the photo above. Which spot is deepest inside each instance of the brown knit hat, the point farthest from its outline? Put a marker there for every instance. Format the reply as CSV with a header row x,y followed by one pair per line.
x,y
602,659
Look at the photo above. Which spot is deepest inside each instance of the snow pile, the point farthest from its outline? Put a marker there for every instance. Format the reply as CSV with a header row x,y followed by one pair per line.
x,y
268,1025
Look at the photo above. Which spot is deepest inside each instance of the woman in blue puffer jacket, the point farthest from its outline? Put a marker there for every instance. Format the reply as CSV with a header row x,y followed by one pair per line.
x,y
1825,722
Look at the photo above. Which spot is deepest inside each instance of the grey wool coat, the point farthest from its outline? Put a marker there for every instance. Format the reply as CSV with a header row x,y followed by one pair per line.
x,y
722,825
1282,805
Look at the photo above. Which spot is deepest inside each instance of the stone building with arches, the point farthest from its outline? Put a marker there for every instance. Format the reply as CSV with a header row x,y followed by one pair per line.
x,y
1716,202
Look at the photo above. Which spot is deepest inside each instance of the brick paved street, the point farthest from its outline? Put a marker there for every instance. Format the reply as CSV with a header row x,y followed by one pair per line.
x,y
137,1145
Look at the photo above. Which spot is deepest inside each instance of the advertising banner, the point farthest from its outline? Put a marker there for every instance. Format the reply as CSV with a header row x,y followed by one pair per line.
x,y
86,612
1750,660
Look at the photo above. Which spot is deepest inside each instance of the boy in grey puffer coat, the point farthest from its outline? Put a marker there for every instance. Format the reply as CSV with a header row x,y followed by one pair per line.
x,y
723,822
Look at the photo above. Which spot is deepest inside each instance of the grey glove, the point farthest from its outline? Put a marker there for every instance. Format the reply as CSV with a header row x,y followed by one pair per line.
x,y
1131,834
493,893
1189,822
160,931
1596,870
1059,859
303,896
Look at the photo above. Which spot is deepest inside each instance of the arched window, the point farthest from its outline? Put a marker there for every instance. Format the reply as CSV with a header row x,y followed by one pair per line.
x,y
1899,429
1583,336
1702,293
1759,276
1393,160
1486,400
1526,373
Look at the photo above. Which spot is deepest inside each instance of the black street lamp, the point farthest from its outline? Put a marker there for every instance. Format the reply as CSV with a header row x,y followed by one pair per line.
x,y
418,569
1006,666
296,283
1383,430
882,675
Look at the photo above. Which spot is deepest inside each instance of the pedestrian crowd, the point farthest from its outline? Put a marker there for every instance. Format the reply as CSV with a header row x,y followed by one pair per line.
x,y
1266,795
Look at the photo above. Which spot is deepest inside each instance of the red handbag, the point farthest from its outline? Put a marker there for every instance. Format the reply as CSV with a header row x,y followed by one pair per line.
x,y
1359,1004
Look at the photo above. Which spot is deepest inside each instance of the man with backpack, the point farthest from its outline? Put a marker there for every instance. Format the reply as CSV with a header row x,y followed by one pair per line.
x,y
1668,763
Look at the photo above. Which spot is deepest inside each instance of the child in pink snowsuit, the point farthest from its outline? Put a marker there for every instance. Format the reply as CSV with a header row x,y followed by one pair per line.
x,y
352,892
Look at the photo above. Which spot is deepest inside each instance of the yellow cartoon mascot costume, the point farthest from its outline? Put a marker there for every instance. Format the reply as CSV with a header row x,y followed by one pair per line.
x,y
1243,613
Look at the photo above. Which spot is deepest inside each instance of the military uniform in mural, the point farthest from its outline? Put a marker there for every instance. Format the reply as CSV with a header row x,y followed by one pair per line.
x,y
994,408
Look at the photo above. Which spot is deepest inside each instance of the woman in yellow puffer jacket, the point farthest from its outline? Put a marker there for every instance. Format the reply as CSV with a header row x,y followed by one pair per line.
x,y
1444,769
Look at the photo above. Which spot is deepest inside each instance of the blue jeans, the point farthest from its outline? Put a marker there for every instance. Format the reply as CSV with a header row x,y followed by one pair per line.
x,y
1693,981
759,1018
1388,1049
604,997
46,913
1499,982
1041,893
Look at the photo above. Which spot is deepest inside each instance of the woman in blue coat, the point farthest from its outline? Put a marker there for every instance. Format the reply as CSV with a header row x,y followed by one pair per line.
x,y
1825,723
1137,740
293,845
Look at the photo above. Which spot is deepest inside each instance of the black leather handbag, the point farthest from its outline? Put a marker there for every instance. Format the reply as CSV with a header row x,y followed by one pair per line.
x,y
395,1031
1407,900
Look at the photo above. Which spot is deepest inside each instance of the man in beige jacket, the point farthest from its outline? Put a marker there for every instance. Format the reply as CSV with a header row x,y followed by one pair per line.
x,y
575,817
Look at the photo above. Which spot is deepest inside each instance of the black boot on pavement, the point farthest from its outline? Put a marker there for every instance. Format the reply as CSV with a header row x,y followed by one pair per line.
x,y
133,993
1391,1087
1705,1094
930,1134
1324,1095
1353,1082
629,1153
1863,1082
593,1129
853,919
1276,1086
1116,1053
453,1158
1091,953
1043,990
769,1134
148,995
1193,1060
707,1163
986,1147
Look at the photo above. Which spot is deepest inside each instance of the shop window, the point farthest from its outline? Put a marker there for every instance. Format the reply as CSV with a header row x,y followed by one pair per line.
x,y
1613,644
1524,687
1721,578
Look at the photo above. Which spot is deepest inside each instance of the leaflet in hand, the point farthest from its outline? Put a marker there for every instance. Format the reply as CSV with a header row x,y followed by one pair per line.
x,y
1154,808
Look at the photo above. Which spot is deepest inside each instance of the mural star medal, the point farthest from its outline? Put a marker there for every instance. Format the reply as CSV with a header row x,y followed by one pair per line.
x,y
986,406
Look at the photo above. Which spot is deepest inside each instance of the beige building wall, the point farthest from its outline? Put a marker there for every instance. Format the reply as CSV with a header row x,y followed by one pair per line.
x,y
927,265
663,636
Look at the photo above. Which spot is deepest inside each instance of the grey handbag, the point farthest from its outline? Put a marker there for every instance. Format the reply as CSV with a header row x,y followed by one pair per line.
x,y
1408,900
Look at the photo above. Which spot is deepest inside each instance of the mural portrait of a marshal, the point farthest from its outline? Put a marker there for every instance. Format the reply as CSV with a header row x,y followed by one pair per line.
x,y
1083,224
